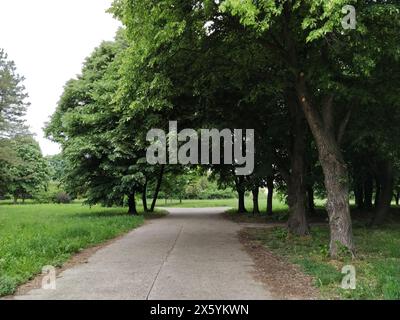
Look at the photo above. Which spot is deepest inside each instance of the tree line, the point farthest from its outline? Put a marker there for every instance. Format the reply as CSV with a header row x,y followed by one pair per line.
x,y
23,169
323,102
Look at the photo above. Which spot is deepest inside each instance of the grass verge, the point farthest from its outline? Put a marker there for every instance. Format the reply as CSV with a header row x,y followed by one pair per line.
x,y
32,236
377,264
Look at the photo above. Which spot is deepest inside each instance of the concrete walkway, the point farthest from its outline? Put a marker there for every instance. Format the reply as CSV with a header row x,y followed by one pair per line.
x,y
191,254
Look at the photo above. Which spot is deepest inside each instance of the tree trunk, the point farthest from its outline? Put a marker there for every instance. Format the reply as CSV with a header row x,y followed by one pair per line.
x,y
359,194
386,193
270,197
241,205
297,223
241,190
158,187
368,192
397,198
132,204
338,207
328,145
377,191
310,200
144,198
335,170
256,207
15,199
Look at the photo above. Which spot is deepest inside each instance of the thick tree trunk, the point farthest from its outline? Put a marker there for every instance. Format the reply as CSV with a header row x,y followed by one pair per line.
x,y
397,198
270,196
144,198
334,168
158,187
310,200
297,223
368,192
132,204
336,183
241,203
386,193
256,207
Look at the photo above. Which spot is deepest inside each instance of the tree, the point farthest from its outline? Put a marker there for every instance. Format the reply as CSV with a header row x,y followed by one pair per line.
x,y
318,54
31,173
13,97
101,162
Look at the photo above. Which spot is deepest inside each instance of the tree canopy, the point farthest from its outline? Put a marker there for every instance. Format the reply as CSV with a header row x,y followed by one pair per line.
x,y
319,96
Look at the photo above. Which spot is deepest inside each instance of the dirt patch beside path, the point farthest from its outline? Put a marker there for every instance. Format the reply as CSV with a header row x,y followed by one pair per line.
x,y
284,280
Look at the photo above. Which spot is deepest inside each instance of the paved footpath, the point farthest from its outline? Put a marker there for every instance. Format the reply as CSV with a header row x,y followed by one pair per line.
x,y
191,254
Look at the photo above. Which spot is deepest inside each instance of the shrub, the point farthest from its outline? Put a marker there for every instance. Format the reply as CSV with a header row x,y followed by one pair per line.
x,y
62,198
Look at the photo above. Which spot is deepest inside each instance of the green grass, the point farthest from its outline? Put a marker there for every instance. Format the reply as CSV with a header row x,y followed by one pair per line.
x,y
32,236
377,264
232,203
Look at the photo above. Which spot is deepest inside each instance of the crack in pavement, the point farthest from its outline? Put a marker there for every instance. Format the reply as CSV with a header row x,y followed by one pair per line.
x,y
164,261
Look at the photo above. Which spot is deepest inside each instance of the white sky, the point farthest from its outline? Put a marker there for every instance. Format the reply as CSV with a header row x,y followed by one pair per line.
x,y
49,40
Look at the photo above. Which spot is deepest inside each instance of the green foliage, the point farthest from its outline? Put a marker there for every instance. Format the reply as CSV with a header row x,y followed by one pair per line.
x,y
62,198
13,97
99,160
29,175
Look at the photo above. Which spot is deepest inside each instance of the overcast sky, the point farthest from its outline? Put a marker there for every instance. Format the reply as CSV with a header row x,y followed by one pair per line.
x,y
49,40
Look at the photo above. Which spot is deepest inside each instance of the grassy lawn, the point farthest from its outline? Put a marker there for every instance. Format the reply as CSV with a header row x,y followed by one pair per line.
x,y
32,236
232,203
377,264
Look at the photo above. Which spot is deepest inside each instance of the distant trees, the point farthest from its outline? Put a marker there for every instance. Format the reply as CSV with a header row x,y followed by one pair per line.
x,y
13,102
29,174
23,170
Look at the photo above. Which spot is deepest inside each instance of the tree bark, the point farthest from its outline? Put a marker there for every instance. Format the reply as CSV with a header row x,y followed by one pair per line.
x,y
397,198
297,223
144,198
256,207
270,197
335,170
241,205
386,194
158,187
132,204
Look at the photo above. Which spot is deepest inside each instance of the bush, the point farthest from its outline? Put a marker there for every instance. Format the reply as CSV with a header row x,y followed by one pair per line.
x,y
62,198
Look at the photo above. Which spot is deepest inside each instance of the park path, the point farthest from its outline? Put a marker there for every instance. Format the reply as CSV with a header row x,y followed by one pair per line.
x,y
190,254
